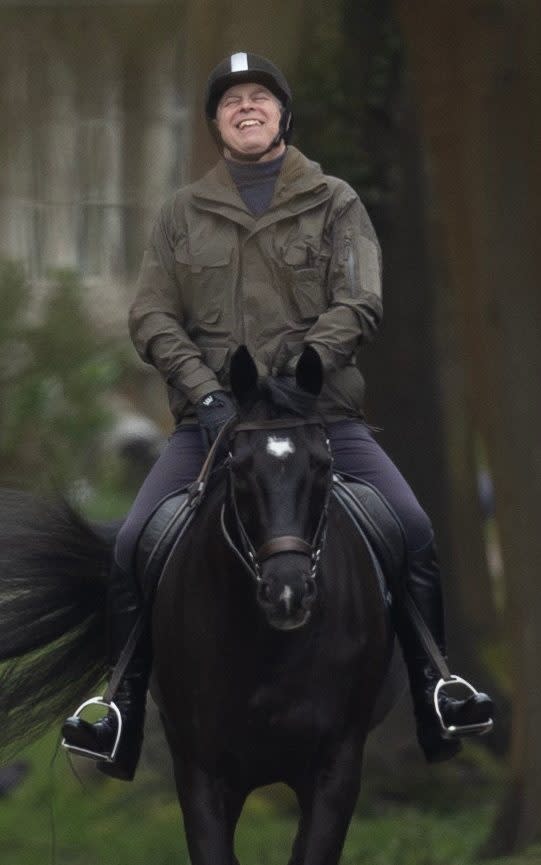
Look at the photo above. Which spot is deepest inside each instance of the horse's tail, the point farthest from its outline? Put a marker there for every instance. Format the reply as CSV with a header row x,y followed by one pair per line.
x,y
53,580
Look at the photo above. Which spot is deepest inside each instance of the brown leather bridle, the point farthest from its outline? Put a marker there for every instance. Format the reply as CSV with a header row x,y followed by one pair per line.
x,y
250,557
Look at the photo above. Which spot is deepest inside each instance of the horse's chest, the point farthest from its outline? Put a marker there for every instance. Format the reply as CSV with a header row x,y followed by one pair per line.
x,y
306,694
285,709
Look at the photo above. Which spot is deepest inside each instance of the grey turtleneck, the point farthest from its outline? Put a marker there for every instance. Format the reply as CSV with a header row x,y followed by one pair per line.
x,y
255,182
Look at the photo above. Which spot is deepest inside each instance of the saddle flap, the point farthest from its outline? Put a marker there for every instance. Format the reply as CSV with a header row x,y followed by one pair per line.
x,y
165,525
377,523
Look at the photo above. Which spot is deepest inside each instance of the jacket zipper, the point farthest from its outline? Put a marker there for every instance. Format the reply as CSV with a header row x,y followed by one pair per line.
x,y
239,295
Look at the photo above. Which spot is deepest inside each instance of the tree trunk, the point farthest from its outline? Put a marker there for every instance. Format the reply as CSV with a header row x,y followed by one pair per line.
x,y
475,618
478,74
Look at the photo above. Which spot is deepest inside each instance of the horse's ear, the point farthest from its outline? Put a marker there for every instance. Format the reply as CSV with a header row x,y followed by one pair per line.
x,y
243,374
309,371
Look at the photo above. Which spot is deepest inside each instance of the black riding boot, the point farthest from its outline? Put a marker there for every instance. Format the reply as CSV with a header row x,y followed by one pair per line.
x,y
424,587
130,698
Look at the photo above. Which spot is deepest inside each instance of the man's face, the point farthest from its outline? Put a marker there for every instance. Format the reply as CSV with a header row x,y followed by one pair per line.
x,y
248,119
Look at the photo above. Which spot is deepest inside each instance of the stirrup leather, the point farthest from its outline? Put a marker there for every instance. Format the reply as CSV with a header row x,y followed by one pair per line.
x,y
451,731
86,752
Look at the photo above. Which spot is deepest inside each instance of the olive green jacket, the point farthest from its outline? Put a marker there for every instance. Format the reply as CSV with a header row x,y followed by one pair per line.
x,y
214,277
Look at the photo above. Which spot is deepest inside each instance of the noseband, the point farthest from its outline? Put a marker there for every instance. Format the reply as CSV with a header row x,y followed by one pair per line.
x,y
252,558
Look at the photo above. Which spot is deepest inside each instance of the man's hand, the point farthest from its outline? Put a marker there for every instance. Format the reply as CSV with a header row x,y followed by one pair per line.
x,y
213,411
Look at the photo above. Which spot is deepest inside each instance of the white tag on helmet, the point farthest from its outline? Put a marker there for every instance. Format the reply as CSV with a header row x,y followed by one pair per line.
x,y
239,62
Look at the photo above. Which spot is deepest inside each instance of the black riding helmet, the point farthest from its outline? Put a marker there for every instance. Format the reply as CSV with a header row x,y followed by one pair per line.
x,y
241,67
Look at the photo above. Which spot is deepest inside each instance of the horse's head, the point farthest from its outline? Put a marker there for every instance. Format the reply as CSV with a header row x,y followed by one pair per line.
x,y
279,483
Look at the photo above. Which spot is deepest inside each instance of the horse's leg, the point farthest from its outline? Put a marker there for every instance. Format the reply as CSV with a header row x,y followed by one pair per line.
x,y
210,811
327,801
234,802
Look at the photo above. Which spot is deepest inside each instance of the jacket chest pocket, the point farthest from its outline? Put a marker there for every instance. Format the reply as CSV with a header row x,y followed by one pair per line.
x,y
304,281
203,275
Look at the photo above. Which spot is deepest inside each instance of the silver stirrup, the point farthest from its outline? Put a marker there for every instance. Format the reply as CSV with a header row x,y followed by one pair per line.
x,y
96,755
453,730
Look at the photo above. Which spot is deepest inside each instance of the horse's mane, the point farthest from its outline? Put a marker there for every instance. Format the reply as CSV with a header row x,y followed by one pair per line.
x,y
282,396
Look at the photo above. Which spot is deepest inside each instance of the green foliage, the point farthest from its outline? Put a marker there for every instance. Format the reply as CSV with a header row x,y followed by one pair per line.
x,y
345,92
54,370
111,823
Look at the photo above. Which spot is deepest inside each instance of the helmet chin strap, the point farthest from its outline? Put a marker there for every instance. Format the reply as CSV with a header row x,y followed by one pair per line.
x,y
285,121
254,157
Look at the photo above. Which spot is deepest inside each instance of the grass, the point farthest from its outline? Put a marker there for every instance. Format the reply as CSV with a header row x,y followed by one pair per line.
x,y
106,822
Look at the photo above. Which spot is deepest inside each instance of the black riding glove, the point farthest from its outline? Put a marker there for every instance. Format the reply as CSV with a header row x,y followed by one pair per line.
x,y
213,411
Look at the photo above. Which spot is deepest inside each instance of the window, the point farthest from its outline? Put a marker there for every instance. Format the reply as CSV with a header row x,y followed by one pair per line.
x,y
90,152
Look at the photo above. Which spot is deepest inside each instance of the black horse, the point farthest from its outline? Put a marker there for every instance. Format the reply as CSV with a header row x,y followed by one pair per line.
x,y
271,632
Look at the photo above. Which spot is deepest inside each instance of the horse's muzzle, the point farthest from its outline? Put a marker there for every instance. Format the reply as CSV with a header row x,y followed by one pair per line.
x,y
287,604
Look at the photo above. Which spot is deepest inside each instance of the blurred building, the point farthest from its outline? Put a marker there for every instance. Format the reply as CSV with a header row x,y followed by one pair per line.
x,y
94,135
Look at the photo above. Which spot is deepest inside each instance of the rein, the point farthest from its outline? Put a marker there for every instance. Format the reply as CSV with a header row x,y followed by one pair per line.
x,y
196,492
197,489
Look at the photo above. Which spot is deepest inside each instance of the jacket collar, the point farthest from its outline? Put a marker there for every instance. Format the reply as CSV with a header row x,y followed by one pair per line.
x,y
301,185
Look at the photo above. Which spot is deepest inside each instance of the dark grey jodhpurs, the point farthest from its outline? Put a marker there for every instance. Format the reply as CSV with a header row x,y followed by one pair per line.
x,y
354,450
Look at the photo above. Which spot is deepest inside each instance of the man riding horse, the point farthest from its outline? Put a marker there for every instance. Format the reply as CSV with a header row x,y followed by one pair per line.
x,y
265,251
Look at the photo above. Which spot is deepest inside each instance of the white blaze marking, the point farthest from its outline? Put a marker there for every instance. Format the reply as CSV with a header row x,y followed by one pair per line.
x,y
286,596
239,62
280,447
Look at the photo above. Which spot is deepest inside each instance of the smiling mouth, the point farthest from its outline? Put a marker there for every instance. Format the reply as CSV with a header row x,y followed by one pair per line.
x,y
249,124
